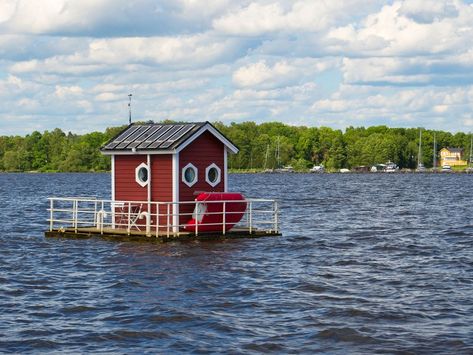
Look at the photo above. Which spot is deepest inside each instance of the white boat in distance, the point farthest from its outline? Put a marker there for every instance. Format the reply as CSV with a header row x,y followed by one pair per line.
x,y
446,169
285,169
391,167
317,169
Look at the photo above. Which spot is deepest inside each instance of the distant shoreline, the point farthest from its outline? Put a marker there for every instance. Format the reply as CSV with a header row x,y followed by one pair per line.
x,y
257,171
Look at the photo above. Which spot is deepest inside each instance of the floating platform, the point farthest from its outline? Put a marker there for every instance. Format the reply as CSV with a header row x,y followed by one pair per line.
x,y
124,235
157,221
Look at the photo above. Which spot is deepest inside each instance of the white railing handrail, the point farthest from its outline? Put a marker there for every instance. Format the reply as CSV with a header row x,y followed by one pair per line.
x,y
104,212
84,199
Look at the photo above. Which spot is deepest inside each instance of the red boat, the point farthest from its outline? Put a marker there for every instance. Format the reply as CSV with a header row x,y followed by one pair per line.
x,y
209,212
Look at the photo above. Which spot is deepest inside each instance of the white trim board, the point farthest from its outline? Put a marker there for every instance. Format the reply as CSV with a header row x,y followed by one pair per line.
x,y
175,191
225,169
208,127
113,178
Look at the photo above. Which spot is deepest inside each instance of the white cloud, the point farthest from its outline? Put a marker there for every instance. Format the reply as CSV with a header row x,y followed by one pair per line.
x,y
416,106
288,16
260,73
402,62
414,71
105,55
107,17
282,73
468,122
108,96
160,50
7,9
440,108
392,32
68,91
427,11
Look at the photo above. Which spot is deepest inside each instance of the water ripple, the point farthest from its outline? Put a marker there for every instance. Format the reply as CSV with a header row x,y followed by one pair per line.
x,y
367,264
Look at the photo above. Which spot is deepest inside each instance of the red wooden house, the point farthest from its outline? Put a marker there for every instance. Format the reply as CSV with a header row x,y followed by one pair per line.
x,y
168,163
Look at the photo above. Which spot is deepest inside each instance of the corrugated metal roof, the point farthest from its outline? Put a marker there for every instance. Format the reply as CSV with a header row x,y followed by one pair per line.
x,y
157,137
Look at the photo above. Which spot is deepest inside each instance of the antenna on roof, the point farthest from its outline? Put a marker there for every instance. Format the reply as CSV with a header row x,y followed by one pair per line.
x,y
129,108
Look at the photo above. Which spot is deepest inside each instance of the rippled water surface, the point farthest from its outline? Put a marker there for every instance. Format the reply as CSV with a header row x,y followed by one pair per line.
x,y
367,264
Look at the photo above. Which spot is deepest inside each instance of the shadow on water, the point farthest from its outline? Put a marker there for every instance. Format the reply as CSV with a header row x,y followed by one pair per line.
x,y
367,264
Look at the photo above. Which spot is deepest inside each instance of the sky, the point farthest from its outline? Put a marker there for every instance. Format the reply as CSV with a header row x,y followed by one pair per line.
x,y
71,64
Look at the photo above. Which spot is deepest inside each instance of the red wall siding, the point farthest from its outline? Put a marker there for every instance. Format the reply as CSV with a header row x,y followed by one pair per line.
x,y
202,152
161,184
161,174
126,187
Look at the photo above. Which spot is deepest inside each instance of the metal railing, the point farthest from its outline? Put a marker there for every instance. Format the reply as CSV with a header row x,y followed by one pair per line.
x,y
160,218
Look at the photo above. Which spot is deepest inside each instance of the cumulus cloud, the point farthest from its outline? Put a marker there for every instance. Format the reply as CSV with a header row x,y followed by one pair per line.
x,y
414,106
288,16
115,54
337,63
261,74
114,18
284,73
390,32
68,91
428,11
415,71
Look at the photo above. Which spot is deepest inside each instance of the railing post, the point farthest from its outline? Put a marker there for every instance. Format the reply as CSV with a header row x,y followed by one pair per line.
x,y
157,219
102,209
113,206
224,215
276,219
251,216
102,216
196,218
95,212
147,216
129,218
177,228
51,215
167,228
74,214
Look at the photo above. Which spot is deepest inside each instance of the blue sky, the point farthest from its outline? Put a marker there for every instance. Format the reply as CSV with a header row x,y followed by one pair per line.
x,y
71,64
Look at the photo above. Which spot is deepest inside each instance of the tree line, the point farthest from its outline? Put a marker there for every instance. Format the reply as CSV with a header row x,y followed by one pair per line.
x,y
271,145
262,146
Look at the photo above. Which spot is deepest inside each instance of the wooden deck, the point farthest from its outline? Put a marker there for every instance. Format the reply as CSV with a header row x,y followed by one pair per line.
x,y
135,235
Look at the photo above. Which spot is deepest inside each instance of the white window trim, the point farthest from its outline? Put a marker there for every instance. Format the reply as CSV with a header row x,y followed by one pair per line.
x,y
183,175
137,178
219,176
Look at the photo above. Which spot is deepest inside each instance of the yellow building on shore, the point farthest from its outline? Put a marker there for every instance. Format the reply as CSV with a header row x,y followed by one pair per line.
x,y
452,157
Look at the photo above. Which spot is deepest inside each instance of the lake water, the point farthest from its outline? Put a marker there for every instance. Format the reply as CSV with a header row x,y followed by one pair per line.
x,y
374,263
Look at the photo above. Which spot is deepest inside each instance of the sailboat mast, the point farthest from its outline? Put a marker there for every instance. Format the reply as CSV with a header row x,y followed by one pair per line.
x,y
279,153
471,149
435,153
266,157
419,155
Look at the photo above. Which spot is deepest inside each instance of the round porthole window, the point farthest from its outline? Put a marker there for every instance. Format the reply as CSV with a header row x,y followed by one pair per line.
x,y
189,175
213,175
142,174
